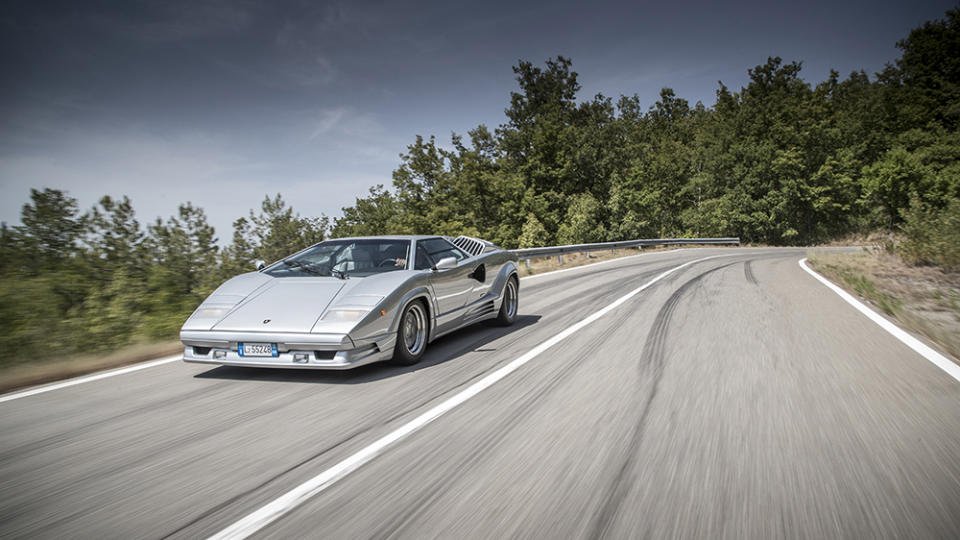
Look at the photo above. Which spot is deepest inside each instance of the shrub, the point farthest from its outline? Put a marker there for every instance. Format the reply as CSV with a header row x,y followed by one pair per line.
x,y
933,235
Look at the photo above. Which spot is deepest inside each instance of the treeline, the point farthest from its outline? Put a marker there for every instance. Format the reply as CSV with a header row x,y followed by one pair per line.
x,y
780,162
98,280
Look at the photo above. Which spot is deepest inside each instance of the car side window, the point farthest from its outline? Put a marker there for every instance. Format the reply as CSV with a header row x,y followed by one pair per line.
x,y
438,248
423,261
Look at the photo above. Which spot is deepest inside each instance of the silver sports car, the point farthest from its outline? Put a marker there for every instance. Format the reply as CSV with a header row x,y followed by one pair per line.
x,y
353,301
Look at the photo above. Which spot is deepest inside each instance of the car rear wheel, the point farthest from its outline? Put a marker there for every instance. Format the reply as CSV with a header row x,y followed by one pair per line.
x,y
511,300
412,335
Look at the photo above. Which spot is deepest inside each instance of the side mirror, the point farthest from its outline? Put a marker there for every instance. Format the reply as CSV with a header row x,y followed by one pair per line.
x,y
259,265
446,263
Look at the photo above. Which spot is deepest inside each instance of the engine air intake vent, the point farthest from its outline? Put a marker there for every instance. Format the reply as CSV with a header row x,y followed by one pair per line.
x,y
473,246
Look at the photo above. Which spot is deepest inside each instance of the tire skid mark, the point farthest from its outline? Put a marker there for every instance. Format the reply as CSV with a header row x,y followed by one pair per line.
x,y
748,272
601,295
404,517
392,528
651,364
565,282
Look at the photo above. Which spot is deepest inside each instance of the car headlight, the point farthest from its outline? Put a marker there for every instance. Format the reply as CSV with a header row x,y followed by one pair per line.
x,y
345,314
210,312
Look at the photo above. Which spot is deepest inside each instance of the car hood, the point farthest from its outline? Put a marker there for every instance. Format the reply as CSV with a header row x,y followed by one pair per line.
x,y
291,305
282,305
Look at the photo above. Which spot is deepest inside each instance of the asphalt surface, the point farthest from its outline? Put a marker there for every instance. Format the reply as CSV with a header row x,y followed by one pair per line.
x,y
735,398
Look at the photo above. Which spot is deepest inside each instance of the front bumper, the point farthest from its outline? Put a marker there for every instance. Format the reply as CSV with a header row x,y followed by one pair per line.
x,y
297,351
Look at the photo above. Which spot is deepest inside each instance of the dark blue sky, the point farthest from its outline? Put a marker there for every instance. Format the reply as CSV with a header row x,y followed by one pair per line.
x,y
220,103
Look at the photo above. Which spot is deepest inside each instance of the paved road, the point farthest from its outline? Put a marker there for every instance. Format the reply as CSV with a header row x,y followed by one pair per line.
x,y
735,398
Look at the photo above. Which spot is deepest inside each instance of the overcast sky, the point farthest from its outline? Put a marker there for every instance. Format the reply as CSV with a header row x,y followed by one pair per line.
x,y
222,102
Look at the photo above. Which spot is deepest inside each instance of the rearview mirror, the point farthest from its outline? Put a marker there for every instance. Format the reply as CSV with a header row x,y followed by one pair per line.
x,y
446,262
259,265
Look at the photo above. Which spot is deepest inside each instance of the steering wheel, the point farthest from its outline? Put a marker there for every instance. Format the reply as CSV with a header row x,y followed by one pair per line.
x,y
388,262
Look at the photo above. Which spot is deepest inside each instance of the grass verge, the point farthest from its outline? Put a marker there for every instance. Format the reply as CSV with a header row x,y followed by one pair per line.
x,y
923,299
23,374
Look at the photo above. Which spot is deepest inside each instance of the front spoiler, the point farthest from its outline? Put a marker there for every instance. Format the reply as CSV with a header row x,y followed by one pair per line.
x,y
316,351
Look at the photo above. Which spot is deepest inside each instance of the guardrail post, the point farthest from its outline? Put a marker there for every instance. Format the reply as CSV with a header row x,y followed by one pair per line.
x,y
527,263
560,258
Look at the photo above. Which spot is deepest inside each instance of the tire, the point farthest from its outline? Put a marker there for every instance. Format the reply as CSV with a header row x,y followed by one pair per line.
x,y
411,335
511,301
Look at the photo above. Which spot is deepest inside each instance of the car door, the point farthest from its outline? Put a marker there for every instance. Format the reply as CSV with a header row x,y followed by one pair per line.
x,y
452,287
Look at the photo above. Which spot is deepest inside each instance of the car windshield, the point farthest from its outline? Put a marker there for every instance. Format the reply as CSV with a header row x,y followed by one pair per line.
x,y
343,258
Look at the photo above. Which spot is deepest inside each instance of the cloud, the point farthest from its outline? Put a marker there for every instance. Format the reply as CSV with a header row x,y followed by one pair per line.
x,y
346,123
329,119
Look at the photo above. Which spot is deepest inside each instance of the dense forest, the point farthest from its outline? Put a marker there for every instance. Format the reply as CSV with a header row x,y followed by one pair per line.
x,y
780,162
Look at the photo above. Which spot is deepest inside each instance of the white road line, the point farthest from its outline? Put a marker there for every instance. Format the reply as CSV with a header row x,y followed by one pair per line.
x,y
89,378
624,258
300,494
925,351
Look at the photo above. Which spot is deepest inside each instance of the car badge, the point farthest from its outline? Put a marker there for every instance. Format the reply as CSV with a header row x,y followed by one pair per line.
x,y
265,321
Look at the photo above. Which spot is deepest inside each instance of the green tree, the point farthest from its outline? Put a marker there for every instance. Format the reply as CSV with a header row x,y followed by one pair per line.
x,y
184,252
237,258
375,214
534,234
114,240
929,70
113,314
278,231
584,221
50,229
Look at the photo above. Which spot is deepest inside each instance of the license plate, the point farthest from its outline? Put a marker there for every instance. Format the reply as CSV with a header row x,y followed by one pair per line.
x,y
257,349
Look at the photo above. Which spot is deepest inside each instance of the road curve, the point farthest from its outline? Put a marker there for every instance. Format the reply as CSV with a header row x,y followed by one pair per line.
x,y
736,397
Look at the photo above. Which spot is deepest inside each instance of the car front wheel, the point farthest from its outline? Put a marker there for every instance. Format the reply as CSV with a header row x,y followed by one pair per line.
x,y
412,335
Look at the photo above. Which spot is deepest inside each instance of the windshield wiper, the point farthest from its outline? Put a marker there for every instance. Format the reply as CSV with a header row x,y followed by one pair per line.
x,y
301,266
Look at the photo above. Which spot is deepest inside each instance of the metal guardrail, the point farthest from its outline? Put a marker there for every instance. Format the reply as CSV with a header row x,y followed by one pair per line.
x,y
559,251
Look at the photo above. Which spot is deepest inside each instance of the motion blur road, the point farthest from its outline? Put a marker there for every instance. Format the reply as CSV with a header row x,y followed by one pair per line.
x,y
735,398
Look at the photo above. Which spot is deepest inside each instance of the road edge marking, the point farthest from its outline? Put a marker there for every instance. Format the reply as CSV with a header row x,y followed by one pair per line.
x,y
277,508
924,350
89,378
